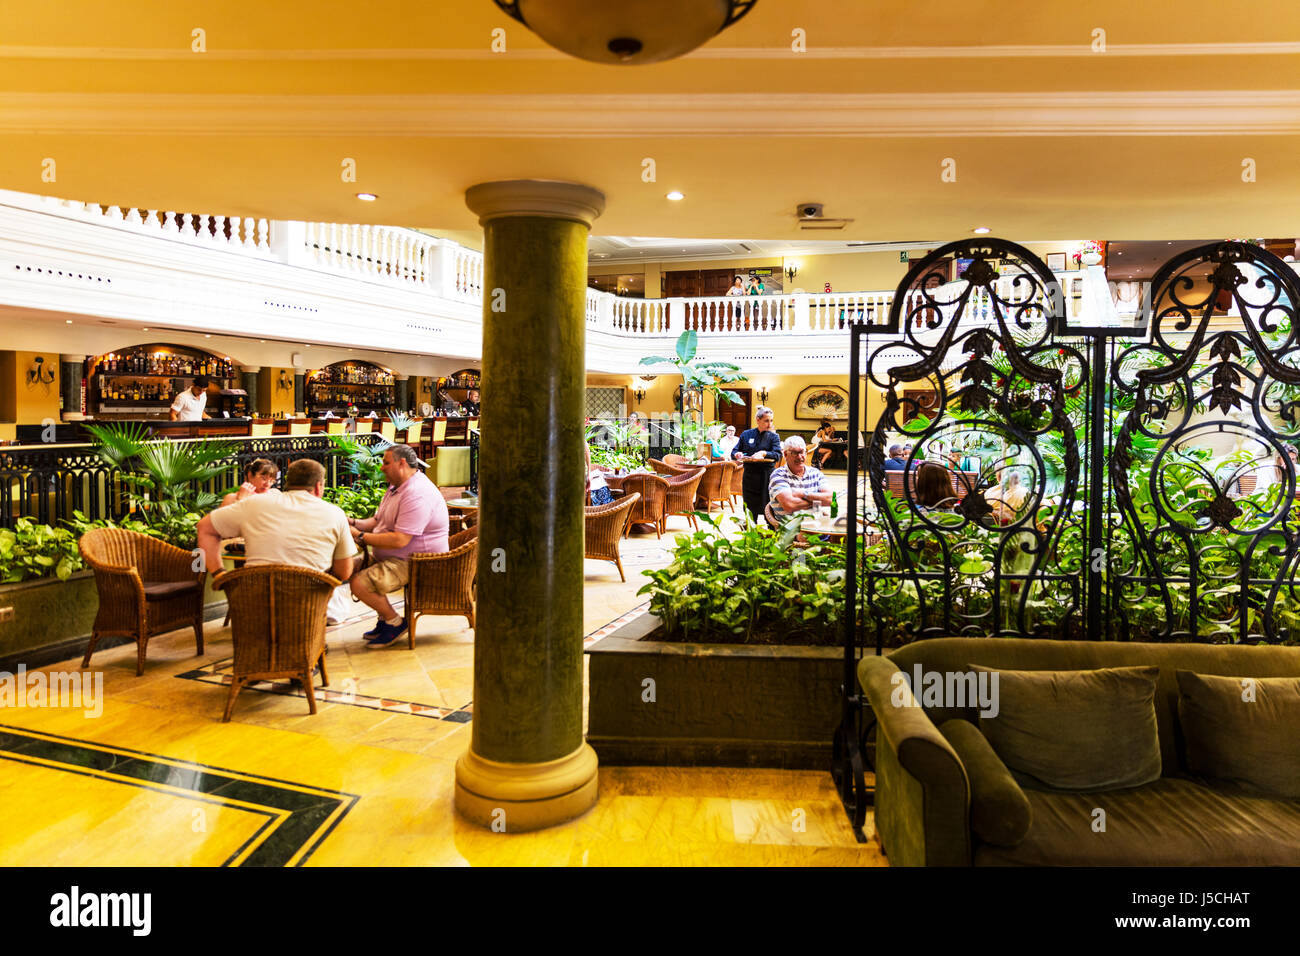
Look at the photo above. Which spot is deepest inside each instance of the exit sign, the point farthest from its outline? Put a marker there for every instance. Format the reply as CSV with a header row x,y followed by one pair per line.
x,y
902,255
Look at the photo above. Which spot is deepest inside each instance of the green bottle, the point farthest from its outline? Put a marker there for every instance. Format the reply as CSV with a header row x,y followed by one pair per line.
x,y
835,505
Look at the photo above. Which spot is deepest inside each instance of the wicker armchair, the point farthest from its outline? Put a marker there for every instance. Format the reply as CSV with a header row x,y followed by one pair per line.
x,y
604,526
652,492
676,461
681,496
277,625
711,484
443,583
146,587
737,482
724,491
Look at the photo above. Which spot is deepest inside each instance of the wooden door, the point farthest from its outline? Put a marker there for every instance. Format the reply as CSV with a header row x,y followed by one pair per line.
x,y
731,413
681,284
716,281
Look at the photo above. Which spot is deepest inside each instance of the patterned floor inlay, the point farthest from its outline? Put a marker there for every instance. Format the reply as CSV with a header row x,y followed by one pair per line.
x,y
289,819
614,625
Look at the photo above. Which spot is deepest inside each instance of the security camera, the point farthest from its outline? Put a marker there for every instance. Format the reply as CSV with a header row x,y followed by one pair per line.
x,y
809,210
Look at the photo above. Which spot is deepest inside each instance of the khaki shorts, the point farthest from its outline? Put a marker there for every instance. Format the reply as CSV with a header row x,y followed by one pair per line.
x,y
388,575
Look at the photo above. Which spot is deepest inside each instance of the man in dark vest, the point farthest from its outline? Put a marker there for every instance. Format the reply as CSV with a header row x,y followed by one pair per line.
x,y
760,449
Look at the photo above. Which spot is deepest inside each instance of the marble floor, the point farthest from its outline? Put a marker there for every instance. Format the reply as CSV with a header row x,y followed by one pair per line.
x,y
157,779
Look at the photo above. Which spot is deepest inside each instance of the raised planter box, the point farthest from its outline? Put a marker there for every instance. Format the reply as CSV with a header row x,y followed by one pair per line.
x,y
721,705
52,619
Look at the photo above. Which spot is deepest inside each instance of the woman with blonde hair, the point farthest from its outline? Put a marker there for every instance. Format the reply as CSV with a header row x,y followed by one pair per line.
x,y
259,479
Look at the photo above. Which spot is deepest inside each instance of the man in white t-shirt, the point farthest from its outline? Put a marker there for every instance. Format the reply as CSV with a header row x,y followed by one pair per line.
x,y
297,527
189,405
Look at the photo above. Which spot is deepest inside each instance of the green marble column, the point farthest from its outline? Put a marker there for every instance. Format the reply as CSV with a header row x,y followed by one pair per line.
x,y
527,757
400,395
250,377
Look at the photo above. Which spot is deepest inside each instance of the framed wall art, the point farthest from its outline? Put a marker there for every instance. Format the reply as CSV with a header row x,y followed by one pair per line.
x,y
822,401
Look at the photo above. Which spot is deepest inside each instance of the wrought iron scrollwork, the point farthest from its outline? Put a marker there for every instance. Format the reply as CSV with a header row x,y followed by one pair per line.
x,y
980,557
1202,468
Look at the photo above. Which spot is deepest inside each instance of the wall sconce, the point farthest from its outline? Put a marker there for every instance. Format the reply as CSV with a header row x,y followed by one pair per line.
x,y
38,373
639,392
791,271
763,395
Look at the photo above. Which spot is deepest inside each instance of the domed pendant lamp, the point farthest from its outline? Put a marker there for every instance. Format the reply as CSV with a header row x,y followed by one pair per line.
x,y
626,31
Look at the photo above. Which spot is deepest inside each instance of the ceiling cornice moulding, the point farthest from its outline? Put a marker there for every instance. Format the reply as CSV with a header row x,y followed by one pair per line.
x,y
182,52
552,116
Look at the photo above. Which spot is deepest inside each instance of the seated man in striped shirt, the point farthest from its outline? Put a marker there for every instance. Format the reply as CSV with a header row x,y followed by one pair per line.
x,y
796,485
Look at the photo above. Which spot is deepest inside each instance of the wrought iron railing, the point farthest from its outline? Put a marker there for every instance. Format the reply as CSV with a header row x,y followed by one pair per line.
x,y
48,483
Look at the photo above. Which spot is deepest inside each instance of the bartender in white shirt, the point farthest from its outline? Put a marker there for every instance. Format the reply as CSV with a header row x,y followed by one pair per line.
x,y
189,405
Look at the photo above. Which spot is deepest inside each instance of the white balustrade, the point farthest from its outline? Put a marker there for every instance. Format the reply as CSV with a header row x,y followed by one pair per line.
x,y
639,316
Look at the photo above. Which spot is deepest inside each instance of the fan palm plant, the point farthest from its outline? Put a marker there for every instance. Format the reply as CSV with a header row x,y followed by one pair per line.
x,y
164,478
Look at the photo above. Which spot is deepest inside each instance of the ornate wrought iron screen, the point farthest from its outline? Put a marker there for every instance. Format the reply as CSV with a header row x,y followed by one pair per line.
x,y
1019,476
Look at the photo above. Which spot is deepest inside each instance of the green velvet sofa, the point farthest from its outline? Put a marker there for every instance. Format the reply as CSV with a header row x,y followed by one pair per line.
x,y
944,798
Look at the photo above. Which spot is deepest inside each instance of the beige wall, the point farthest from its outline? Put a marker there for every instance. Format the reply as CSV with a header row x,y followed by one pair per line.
x,y
271,399
23,402
783,391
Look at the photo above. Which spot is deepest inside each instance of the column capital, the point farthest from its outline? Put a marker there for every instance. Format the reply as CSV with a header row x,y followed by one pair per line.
x,y
544,198
72,359
251,368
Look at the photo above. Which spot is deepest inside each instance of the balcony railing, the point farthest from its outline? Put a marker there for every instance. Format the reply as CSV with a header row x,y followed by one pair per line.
x,y
406,259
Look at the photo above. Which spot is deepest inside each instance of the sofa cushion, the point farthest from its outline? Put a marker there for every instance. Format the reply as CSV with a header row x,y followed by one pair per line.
x,y
1027,654
1242,729
999,810
163,590
1076,730
1171,822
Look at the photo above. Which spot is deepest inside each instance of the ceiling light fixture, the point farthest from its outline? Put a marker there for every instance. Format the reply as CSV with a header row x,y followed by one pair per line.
x,y
676,195
981,230
367,197
626,31
69,321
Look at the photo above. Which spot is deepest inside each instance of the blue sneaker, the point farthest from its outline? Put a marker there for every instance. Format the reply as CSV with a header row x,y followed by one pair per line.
x,y
388,634
374,632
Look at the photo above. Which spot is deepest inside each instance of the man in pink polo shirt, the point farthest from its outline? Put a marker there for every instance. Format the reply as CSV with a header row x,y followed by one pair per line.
x,y
412,519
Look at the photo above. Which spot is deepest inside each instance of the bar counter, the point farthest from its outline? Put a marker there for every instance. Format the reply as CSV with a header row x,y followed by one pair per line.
x,y
75,432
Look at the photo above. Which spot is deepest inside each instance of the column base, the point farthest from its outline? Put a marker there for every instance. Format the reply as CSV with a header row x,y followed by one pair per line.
x,y
526,796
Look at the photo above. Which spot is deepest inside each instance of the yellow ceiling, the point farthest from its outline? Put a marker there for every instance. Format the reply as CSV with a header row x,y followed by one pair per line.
x,y
1051,139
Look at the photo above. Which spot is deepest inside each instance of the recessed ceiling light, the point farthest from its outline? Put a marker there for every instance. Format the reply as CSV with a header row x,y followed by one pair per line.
x,y
69,321
367,197
676,196
144,330
207,336
981,230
